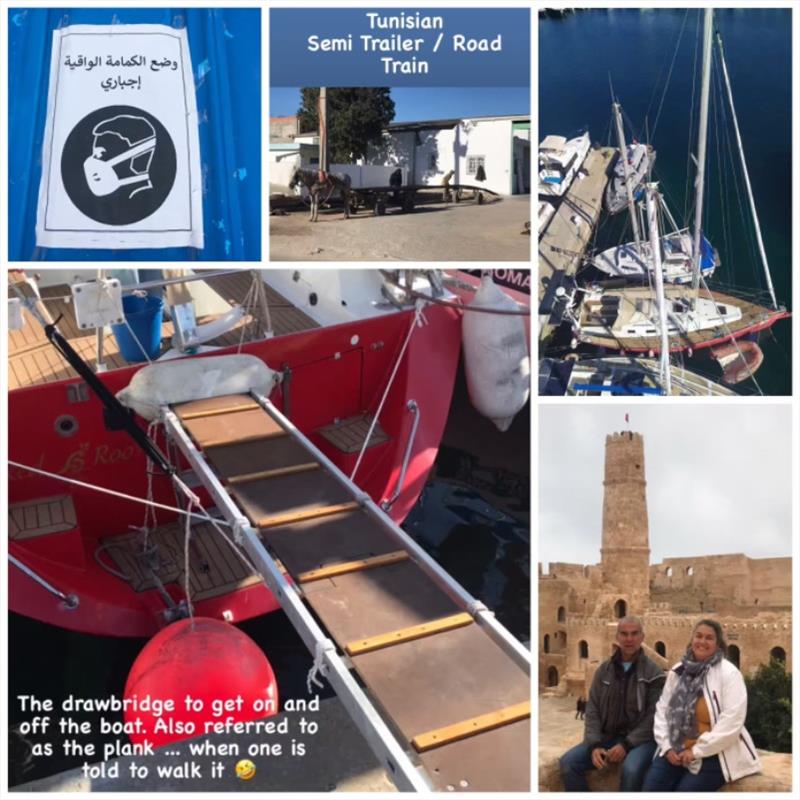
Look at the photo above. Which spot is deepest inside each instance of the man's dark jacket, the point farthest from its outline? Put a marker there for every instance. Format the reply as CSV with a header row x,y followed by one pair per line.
x,y
649,681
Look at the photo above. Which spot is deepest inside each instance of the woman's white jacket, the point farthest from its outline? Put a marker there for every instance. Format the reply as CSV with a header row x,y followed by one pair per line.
x,y
726,698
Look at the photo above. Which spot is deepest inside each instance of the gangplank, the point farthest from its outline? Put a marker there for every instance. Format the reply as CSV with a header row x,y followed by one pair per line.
x,y
439,689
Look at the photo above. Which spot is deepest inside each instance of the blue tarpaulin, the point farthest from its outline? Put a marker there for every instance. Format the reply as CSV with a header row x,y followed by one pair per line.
x,y
226,59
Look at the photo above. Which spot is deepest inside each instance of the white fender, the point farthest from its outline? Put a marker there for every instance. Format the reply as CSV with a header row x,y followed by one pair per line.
x,y
165,383
496,359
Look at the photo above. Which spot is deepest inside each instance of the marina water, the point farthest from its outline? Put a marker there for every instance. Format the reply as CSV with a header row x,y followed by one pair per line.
x,y
634,48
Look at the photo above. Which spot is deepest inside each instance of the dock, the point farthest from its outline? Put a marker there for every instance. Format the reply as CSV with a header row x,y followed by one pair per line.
x,y
562,247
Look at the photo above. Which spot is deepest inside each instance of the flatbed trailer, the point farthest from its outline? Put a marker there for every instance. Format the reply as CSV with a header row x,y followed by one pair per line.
x,y
381,198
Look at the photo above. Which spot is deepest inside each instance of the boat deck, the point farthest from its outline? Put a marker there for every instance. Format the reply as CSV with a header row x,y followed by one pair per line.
x,y
754,317
563,244
34,361
453,696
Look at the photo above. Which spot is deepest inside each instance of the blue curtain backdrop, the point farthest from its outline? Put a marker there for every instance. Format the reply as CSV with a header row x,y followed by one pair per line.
x,y
226,59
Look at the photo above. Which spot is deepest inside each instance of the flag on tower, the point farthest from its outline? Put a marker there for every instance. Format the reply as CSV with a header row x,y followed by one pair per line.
x,y
626,419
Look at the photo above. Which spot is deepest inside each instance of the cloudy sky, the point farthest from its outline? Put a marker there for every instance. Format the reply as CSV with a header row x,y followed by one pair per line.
x,y
718,478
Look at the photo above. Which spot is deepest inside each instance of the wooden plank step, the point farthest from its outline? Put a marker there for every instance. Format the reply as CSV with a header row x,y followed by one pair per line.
x,y
311,513
352,566
471,727
348,435
407,634
215,411
41,517
225,429
214,569
312,543
276,501
453,676
496,761
277,472
196,409
258,456
398,596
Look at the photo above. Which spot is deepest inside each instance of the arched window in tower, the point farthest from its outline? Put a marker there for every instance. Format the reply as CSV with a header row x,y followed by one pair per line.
x,y
689,572
552,676
778,654
583,649
661,649
620,609
561,614
669,572
547,643
733,655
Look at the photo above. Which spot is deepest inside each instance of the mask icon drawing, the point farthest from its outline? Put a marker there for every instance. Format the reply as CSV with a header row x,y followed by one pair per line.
x,y
119,165
122,153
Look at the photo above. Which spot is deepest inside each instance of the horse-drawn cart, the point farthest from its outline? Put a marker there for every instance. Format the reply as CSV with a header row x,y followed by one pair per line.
x,y
324,186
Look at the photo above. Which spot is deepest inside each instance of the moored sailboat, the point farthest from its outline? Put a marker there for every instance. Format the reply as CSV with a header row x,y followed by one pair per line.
x,y
626,318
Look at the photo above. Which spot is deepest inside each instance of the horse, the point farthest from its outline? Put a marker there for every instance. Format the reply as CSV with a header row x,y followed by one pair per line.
x,y
318,182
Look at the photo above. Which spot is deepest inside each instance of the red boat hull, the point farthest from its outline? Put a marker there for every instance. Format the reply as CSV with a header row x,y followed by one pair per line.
x,y
336,373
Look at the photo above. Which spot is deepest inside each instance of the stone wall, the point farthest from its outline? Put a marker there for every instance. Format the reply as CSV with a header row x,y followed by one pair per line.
x,y
724,583
776,777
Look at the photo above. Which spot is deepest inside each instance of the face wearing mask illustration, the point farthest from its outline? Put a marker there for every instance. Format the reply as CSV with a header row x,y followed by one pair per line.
x,y
122,153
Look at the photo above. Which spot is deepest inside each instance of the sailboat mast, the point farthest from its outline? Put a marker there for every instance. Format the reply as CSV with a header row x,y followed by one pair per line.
x,y
746,175
701,148
655,248
623,155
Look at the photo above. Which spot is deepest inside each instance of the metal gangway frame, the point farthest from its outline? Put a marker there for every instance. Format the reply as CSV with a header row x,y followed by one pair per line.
x,y
398,763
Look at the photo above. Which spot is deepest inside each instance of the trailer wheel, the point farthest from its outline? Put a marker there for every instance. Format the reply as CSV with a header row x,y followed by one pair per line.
x,y
380,208
459,195
408,202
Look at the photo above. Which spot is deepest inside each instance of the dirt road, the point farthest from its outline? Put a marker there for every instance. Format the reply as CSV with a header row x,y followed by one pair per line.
x,y
434,232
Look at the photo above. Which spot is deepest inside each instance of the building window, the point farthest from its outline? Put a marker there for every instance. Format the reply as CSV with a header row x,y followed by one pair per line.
x,y
689,571
552,677
778,654
583,649
620,609
661,649
473,162
547,643
669,572
561,614
733,655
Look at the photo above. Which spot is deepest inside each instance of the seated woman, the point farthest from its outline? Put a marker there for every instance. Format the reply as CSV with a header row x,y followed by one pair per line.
x,y
699,722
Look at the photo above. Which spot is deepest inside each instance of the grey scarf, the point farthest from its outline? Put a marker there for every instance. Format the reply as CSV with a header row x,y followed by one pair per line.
x,y
681,720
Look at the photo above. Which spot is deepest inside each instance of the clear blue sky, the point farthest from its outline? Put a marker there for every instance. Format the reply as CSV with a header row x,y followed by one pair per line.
x,y
432,103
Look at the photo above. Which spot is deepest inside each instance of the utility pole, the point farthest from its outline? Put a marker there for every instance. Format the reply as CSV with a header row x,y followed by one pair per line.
x,y
323,129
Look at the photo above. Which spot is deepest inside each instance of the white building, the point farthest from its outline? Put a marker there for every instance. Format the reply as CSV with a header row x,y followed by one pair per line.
x,y
426,151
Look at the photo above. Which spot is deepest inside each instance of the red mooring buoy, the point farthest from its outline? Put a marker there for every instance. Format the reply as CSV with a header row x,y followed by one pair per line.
x,y
222,671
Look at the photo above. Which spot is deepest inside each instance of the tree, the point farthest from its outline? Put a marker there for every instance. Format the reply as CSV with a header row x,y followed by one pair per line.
x,y
356,117
769,707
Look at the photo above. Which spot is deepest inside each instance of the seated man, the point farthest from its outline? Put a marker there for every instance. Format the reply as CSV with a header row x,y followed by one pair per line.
x,y
619,715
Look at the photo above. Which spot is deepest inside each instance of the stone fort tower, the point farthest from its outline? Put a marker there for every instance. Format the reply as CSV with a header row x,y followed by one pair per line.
x,y
625,550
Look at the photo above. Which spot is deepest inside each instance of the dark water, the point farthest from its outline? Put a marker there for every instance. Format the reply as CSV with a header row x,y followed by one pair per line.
x,y
635,47
484,544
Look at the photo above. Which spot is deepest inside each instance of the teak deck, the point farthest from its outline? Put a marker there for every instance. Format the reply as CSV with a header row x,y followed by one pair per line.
x,y
33,361
448,691
752,315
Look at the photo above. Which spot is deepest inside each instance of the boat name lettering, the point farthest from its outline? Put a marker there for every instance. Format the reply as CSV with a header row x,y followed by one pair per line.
x,y
112,455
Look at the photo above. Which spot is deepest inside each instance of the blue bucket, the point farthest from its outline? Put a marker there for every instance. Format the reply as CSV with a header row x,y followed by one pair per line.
x,y
144,315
